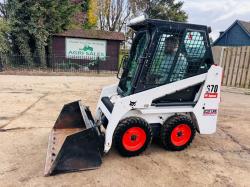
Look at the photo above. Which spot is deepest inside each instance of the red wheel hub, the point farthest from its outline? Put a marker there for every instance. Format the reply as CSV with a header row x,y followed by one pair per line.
x,y
134,138
181,135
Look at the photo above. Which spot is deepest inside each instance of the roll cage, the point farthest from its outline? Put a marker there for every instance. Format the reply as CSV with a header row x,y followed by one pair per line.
x,y
153,67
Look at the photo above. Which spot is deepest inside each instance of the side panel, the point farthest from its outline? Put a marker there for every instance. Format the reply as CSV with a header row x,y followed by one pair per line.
x,y
158,118
106,92
206,109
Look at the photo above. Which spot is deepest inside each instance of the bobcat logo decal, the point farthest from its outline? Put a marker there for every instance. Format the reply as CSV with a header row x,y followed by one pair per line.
x,y
132,103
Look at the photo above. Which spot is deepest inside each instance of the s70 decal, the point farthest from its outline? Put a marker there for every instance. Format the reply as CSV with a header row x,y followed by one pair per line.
x,y
212,91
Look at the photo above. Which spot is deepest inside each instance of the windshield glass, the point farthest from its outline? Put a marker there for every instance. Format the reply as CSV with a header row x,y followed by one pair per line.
x,y
136,52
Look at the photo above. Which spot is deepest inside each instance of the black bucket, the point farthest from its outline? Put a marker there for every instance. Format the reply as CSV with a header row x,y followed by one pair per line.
x,y
75,143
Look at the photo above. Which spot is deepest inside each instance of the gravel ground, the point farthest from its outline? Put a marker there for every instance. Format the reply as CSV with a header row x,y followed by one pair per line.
x,y
31,104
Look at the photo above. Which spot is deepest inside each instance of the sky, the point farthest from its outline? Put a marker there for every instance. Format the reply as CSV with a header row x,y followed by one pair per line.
x,y
219,14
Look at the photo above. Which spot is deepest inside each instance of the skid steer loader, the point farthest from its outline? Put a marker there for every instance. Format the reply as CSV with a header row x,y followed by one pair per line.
x,y
169,88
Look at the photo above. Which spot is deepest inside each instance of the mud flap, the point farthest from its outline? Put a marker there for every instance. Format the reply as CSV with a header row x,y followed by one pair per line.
x,y
75,143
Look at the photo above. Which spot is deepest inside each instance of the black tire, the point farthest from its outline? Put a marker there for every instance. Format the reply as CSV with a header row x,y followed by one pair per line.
x,y
123,127
169,127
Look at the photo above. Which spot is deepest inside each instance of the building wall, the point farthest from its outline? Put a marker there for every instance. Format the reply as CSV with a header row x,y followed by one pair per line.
x,y
113,47
236,36
58,46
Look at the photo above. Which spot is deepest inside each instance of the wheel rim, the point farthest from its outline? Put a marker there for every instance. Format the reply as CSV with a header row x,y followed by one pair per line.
x,y
181,135
134,138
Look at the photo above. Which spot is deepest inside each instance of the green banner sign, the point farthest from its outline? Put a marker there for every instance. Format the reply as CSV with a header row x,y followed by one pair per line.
x,y
85,48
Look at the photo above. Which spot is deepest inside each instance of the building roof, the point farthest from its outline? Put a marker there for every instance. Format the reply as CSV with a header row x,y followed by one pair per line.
x,y
243,24
93,34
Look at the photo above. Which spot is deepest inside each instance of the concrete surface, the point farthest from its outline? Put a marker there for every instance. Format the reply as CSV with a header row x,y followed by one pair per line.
x,y
29,106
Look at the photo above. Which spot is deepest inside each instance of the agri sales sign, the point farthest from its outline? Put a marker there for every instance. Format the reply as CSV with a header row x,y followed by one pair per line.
x,y
85,48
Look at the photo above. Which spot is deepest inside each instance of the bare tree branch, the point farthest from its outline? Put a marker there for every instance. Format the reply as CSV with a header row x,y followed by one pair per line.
x,y
116,14
3,9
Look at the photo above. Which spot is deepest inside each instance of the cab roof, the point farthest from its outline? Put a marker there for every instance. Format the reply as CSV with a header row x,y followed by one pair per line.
x,y
149,23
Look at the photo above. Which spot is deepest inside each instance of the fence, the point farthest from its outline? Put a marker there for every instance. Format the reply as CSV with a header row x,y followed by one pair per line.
x,y
58,64
236,66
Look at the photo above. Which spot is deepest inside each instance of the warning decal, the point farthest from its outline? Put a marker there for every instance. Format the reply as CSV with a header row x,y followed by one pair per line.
x,y
210,95
210,112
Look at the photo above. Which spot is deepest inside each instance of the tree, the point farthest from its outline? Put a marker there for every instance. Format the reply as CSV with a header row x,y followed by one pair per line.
x,y
113,14
160,9
32,23
90,9
156,9
4,30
